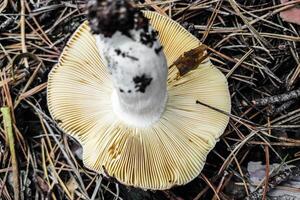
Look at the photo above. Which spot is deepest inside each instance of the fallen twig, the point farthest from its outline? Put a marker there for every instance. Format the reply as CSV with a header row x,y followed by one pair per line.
x,y
277,98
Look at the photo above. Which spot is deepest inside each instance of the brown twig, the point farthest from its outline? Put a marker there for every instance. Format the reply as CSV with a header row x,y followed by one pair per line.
x,y
277,98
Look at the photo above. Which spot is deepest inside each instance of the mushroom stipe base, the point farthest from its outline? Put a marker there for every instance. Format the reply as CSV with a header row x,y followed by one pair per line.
x,y
131,120
171,151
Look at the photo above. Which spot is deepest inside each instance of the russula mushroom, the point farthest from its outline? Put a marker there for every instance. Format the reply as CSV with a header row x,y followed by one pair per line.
x,y
116,91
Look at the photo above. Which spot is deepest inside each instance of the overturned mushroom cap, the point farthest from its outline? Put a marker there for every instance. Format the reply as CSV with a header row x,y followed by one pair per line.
x,y
171,151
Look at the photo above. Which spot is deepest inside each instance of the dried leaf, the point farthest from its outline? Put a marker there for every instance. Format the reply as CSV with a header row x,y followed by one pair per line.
x,y
42,184
191,59
290,15
72,185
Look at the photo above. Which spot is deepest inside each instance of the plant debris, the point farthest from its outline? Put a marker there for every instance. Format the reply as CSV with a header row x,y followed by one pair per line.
x,y
290,175
191,60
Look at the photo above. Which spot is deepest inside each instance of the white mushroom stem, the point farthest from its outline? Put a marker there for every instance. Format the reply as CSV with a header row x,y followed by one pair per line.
x,y
139,74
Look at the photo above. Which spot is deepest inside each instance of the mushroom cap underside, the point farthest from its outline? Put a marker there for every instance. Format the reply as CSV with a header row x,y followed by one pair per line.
x,y
170,152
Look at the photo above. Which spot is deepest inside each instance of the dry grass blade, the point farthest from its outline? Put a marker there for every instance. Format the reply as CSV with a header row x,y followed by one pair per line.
x,y
7,121
260,39
3,5
294,78
23,36
239,63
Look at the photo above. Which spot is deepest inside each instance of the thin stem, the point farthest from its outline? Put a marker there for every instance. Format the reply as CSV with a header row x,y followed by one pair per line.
x,y
7,120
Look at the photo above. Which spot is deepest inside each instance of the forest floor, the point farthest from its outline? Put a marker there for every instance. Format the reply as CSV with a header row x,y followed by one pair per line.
x,y
247,40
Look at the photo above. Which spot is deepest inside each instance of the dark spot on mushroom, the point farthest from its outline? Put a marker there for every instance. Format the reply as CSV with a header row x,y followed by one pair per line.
x,y
142,82
105,171
158,50
58,121
132,57
121,90
148,38
129,91
118,51
125,54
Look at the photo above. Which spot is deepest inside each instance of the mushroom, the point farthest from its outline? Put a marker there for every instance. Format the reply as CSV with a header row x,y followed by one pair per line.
x,y
118,93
